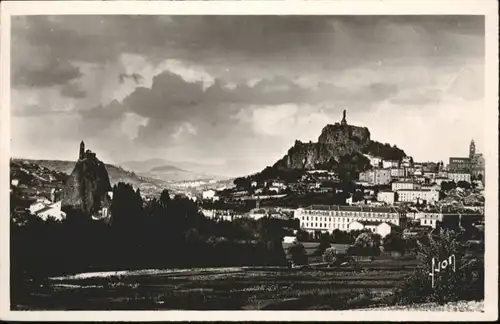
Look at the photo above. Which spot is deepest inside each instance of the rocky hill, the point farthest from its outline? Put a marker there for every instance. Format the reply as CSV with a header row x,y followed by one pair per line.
x,y
88,185
147,185
336,141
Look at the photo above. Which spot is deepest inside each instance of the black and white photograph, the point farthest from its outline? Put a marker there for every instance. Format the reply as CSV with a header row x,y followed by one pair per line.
x,y
248,162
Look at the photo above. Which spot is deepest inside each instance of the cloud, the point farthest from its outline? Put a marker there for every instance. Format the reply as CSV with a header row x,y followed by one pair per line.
x,y
73,91
233,88
53,73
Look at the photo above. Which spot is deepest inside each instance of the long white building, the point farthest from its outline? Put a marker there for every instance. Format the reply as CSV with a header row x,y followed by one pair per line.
x,y
326,218
409,195
405,185
455,176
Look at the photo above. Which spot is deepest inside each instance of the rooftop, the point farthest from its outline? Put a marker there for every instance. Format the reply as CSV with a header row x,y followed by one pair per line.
x,y
353,208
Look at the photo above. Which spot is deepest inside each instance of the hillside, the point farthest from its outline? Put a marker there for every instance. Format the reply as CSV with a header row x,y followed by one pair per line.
x,y
335,142
32,174
338,146
116,174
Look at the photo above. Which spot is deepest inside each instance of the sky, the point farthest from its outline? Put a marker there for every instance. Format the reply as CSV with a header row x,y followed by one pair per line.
x,y
239,90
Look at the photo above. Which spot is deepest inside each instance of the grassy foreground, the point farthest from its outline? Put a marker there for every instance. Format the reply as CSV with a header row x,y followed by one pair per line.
x,y
239,288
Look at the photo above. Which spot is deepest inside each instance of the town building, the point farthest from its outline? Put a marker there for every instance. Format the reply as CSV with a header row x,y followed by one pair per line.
x,y
448,217
398,173
277,185
477,161
455,176
420,179
418,165
375,161
459,164
416,195
387,164
376,176
326,218
381,228
442,174
39,204
51,211
208,194
406,162
221,215
432,186
440,180
405,185
430,174
363,183
387,196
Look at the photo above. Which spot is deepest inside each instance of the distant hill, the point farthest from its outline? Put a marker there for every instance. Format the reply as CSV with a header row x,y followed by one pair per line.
x,y
173,171
164,168
34,175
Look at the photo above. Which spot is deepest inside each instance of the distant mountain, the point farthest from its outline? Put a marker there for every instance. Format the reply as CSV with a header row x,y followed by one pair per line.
x,y
167,168
144,166
174,171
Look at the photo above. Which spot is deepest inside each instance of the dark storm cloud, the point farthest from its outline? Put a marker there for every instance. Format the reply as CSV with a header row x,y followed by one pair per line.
x,y
54,73
72,90
215,39
174,100
305,68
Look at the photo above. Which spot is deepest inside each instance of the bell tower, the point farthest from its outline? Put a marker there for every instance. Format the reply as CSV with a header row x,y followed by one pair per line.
x,y
472,149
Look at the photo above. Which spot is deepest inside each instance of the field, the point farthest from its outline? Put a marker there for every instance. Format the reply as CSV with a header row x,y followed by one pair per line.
x,y
246,288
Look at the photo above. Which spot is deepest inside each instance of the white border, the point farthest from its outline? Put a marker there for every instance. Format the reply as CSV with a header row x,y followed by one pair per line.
x,y
349,7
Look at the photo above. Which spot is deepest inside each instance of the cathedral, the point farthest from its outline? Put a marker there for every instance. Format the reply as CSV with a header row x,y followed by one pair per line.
x,y
473,164
476,161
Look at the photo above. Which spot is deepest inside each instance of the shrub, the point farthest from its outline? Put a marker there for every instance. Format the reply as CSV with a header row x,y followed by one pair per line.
x,y
330,255
366,244
394,243
324,243
466,283
298,254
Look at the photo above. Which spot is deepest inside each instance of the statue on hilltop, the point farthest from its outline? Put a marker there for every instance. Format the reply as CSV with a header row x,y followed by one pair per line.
x,y
343,122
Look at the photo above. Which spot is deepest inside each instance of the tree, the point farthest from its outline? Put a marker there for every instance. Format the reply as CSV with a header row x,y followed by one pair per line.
x,y
463,185
394,242
466,282
367,240
366,244
358,196
324,243
164,198
448,185
298,253
302,236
